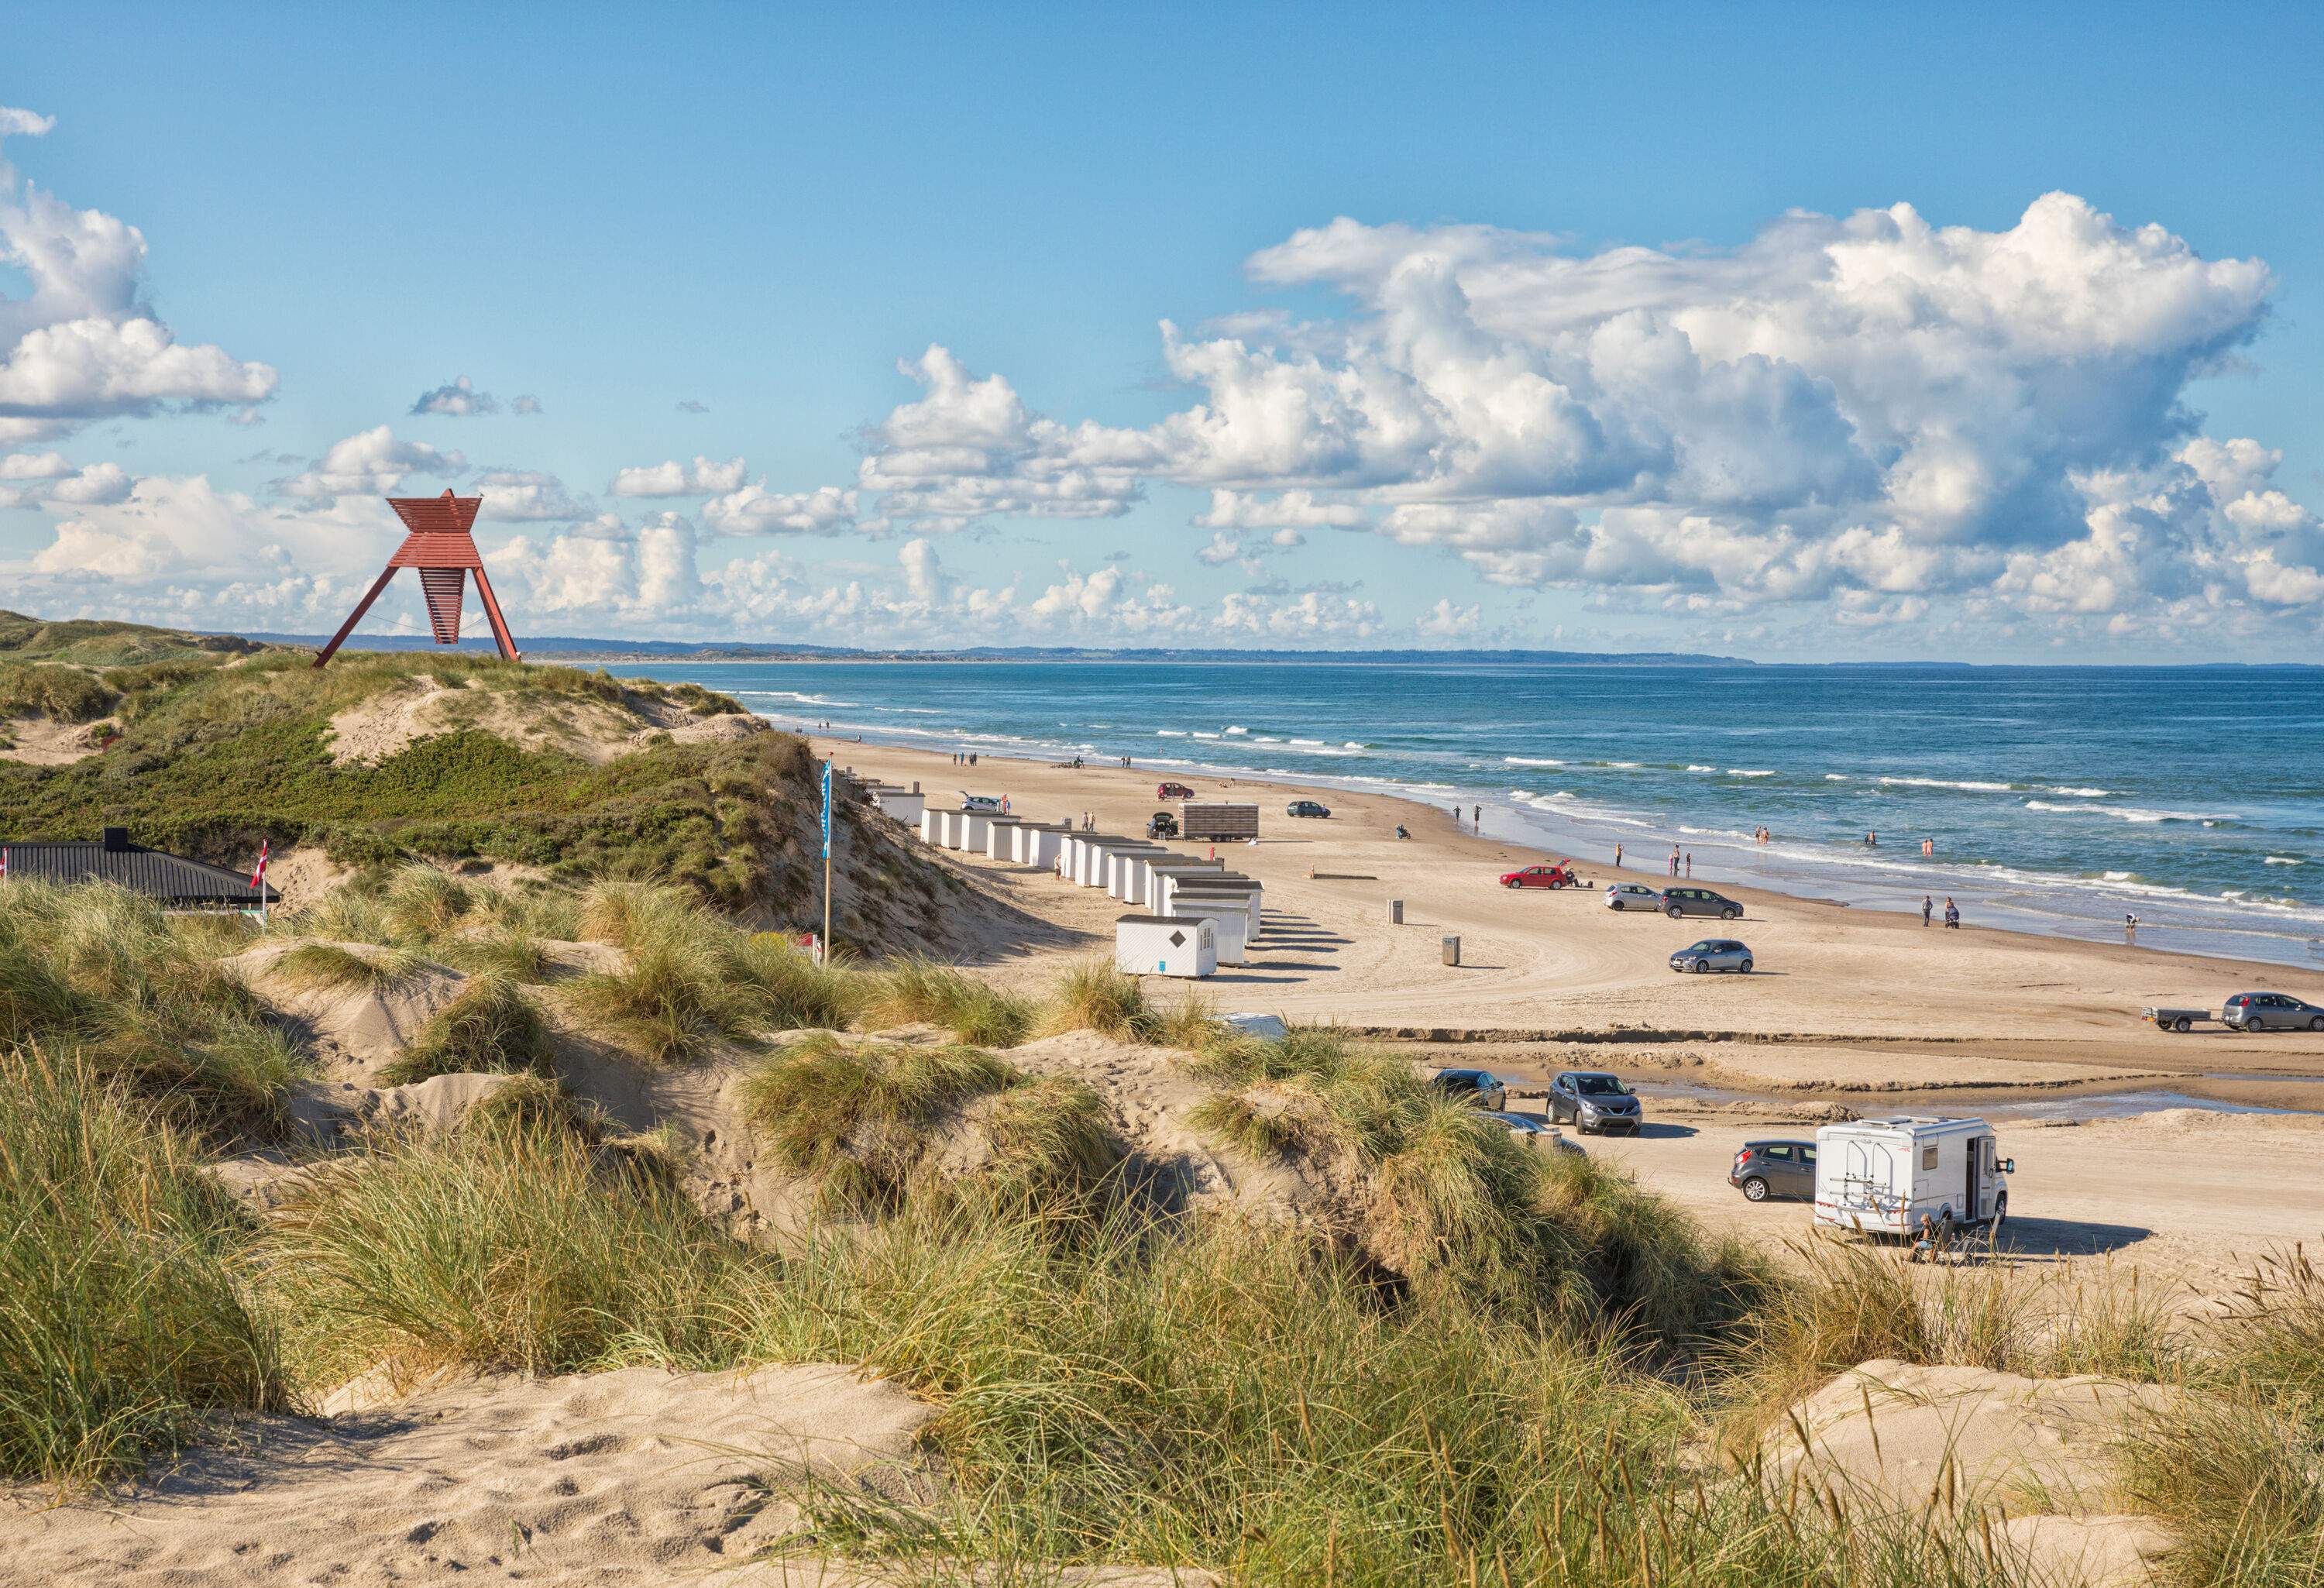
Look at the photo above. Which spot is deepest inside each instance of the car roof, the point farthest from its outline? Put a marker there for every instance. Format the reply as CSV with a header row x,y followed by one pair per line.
x,y
1780,1141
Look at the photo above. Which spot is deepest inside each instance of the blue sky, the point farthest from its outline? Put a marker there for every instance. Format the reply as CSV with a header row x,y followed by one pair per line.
x,y
616,212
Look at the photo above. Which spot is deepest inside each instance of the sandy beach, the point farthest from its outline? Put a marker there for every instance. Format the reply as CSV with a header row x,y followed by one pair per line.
x,y
1865,1009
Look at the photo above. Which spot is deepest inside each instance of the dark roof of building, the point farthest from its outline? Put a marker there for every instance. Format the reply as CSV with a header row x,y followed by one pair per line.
x,y
169,878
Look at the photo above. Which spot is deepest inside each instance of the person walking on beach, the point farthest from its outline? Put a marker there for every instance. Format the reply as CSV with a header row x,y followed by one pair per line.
x,y
1689,862
1927,908
1618,857
2130,927
1952,913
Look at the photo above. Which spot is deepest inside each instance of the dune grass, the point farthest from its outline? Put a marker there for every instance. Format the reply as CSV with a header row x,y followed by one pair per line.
x,y
863,1118
425,903
316,968
1457,1203
916,990
123,1318
100,972
516,954
520,1247
1095,996
492,1026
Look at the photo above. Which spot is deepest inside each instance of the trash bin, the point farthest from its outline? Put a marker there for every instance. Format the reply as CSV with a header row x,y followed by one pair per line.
x,y
1451,949
1396,912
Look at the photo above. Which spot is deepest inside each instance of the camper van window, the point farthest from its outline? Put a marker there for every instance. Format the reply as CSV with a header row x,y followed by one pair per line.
x,y
1929,1156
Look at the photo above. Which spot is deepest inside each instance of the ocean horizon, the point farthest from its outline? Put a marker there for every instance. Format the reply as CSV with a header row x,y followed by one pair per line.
x,y
2054,799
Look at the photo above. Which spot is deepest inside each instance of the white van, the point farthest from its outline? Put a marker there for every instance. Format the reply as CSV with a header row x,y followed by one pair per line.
x,y
1912,1175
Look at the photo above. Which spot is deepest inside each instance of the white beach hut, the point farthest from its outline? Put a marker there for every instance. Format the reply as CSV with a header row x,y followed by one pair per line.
x,y
1123,866
903,805
1158,945
1234,890
1228,918
931,827
1158,874
1000,837
968,833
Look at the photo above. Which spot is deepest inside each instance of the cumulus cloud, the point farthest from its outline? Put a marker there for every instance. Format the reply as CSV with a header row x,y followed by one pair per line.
x,y
29,479
458,399
1870,412
527,496
370,463
753,510
82,343
701,477
1444,621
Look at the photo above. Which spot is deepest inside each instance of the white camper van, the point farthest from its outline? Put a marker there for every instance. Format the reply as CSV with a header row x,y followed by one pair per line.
x,y
1912,1175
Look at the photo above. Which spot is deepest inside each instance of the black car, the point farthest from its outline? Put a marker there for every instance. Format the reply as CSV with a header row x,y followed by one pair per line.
x,y
1306,807
1679,902
1593,1100
1482,1087
1774,1169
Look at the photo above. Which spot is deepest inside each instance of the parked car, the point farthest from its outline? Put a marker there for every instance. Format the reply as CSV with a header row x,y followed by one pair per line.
x,y
1714,954
1482,1087
2271,1012
1536,1132
1172,791
984,804
1306,807
1161,824
1679,902
1774,1169
1593,1100
1632,896
1560,875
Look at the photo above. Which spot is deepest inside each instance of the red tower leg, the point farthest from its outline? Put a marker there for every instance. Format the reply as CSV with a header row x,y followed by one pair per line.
x,y
355,616
493,612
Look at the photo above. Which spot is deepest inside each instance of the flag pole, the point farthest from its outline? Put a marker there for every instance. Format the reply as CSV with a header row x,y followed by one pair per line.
x,y
825,859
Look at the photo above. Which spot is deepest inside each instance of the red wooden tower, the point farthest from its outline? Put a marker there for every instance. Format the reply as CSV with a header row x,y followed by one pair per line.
x,y
443,547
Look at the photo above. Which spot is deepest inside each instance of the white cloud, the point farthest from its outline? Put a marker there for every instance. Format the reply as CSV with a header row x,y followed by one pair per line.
x,y
703,477
458,400
524,405
370,463
753,510
1869,409
527,496
30,479
33,465
82,344
1444,621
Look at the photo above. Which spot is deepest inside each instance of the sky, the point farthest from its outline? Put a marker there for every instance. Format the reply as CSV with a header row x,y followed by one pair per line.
x,y
1797,335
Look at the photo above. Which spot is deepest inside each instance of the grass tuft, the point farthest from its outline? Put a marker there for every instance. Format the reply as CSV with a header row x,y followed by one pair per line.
x,y
1095,996
492,1026
336,967
123,1318
919,990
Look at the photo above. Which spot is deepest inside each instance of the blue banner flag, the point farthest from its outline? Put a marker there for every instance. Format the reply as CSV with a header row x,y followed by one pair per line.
x,y
827,810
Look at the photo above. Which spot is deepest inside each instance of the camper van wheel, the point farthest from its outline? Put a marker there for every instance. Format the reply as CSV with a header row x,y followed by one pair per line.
x,y
2000,1211
1755,1189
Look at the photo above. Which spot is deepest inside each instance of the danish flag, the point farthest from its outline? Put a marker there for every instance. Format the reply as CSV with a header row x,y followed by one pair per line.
x,y
258,877
3,865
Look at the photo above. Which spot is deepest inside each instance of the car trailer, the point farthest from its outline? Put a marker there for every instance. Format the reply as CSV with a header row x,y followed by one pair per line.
x,y
2178,1019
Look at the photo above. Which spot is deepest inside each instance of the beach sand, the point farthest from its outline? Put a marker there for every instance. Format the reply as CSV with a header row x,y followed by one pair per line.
x,y
1865,1008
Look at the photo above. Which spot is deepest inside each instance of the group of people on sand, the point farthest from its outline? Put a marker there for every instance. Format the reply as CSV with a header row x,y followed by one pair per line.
x,y
963,758
1928,908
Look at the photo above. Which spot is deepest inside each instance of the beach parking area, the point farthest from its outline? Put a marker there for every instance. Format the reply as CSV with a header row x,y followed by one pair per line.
x,y
1863,1008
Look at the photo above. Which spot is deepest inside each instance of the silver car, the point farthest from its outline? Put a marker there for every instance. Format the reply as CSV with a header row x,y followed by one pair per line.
x,y
1714,954
2271,1012
1632,896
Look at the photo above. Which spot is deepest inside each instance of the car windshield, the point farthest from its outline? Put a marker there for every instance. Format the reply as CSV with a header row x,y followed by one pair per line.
x,y
1707,945
1600,1086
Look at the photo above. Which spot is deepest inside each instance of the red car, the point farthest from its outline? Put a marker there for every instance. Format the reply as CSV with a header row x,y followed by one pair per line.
x,y
1172,791
1560,875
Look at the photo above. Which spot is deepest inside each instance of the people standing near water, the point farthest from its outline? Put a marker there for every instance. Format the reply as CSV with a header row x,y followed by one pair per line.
x,y
1928,908
1689,862
2130,927
1952,912
1618,857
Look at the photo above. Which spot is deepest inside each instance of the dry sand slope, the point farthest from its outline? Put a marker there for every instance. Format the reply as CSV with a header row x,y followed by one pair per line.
x,y
636,1477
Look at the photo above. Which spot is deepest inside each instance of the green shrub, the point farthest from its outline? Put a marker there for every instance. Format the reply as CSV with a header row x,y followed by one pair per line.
x,y
123,1322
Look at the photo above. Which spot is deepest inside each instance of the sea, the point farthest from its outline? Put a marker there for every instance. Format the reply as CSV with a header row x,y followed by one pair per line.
x,y
2053,800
